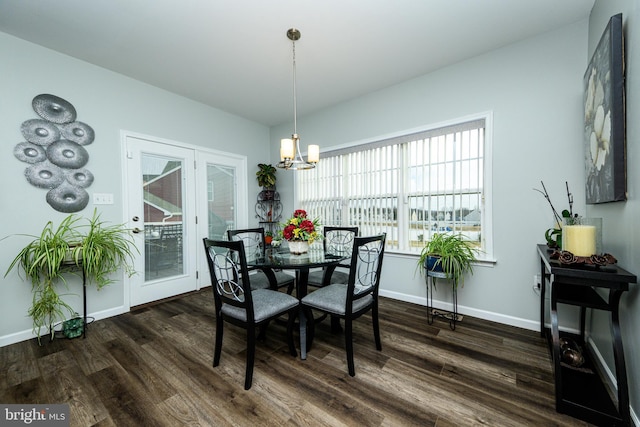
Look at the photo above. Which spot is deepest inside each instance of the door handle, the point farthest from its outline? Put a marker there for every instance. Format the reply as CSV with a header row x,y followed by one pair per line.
x,y
137,230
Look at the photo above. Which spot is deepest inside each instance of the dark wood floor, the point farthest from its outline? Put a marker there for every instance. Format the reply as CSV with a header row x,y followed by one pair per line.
x,y
153,367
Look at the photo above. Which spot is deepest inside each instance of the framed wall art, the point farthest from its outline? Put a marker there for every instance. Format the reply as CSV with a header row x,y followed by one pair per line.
x,y
604,118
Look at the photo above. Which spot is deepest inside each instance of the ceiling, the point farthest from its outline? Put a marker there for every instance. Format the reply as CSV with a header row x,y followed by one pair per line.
x,y
234,54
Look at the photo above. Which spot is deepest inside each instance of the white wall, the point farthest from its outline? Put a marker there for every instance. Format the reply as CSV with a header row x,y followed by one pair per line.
x,y
620,220
108,102
534,89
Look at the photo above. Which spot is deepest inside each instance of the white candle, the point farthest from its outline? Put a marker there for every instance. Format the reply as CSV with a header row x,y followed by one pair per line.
x,y
580,240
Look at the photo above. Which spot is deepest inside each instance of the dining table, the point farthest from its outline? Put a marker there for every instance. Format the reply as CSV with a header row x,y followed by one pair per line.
x,y
272,258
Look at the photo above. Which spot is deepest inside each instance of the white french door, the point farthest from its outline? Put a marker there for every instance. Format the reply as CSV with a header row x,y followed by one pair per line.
x,y
172,202
161,212
222,201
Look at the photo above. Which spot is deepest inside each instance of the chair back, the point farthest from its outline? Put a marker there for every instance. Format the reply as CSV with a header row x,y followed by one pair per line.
x,y
339,240
366,265
253,239
228,266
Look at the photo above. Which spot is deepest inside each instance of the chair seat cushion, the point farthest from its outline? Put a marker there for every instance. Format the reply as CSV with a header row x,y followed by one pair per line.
x,y
315,277
333,299
259,280
283,278
266,303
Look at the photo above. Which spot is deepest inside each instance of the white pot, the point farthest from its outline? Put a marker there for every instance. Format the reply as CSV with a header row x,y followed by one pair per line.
x,y
298,247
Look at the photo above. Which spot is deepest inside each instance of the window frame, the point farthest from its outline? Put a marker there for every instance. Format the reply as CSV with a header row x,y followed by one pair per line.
x,y
403,217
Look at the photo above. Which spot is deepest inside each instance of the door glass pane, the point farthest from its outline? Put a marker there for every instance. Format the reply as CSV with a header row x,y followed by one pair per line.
x,y
221,200
163,209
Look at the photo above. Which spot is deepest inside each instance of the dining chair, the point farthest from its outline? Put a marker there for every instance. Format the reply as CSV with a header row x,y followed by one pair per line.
x,y
238,303
356,297
337,241
254,242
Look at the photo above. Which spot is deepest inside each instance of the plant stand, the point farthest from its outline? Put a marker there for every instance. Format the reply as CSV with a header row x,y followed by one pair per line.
x,y
451,316
84,304
73,266
268,210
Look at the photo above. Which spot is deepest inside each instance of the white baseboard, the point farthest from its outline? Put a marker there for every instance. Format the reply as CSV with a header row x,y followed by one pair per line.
x,y
469,311
28,334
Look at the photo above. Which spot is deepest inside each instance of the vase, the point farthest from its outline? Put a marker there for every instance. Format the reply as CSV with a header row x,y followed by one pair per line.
x,y
298,247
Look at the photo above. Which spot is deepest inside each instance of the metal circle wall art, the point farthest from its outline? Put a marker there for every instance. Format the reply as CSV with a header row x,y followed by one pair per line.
x,y
78,132
29,153
67,154
68,198
54,149
40,131
53,109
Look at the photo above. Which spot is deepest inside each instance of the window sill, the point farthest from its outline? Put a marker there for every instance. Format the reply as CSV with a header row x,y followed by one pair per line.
x,y
480,262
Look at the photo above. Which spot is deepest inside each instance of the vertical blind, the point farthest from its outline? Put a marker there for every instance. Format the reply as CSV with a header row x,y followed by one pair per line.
x,y
409,186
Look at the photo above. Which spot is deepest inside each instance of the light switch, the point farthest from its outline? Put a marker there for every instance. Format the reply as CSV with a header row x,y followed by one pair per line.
x,y
102,198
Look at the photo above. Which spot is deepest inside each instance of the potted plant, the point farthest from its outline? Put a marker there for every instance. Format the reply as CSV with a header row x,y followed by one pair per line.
x,y
102,250
266,176
300,232
268,237
43,261
450,254
94,248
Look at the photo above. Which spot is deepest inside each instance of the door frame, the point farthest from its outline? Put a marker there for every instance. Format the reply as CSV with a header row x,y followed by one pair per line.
x,y
202,156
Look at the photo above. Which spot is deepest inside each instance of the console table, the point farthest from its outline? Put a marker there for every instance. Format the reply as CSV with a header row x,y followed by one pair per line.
x,y
580,392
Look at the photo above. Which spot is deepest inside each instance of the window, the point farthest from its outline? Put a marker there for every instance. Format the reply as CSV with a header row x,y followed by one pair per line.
x,y
410,186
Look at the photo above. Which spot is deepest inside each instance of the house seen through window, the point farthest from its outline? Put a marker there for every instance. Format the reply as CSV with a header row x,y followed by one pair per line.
x,y
410,186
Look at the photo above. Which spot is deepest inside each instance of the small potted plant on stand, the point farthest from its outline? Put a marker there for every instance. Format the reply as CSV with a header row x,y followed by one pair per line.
x,y
450,254
266,176
447,256
268,237
95,249
44,262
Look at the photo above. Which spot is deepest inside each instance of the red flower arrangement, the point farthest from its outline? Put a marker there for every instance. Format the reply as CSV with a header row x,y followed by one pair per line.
x,y
300,228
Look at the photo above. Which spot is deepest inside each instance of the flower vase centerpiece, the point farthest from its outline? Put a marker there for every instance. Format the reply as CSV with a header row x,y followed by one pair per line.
x,y
300,232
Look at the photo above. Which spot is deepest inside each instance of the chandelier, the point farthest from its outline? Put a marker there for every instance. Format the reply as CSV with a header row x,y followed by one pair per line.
x,y
290,156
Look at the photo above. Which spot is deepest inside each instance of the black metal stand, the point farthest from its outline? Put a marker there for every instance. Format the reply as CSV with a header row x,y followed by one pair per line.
x,y
84,304
451,316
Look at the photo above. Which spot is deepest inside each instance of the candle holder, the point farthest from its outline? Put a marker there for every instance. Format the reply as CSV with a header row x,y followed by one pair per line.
x,y
582,236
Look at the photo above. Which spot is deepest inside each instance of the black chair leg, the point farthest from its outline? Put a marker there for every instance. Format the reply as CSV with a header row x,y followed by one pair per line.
x,y
263,331
311,327
348,338
218,346
251,353
335,325
291,287
376,327
290,324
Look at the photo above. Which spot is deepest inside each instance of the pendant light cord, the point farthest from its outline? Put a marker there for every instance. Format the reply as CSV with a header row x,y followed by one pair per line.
x,y
295,107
